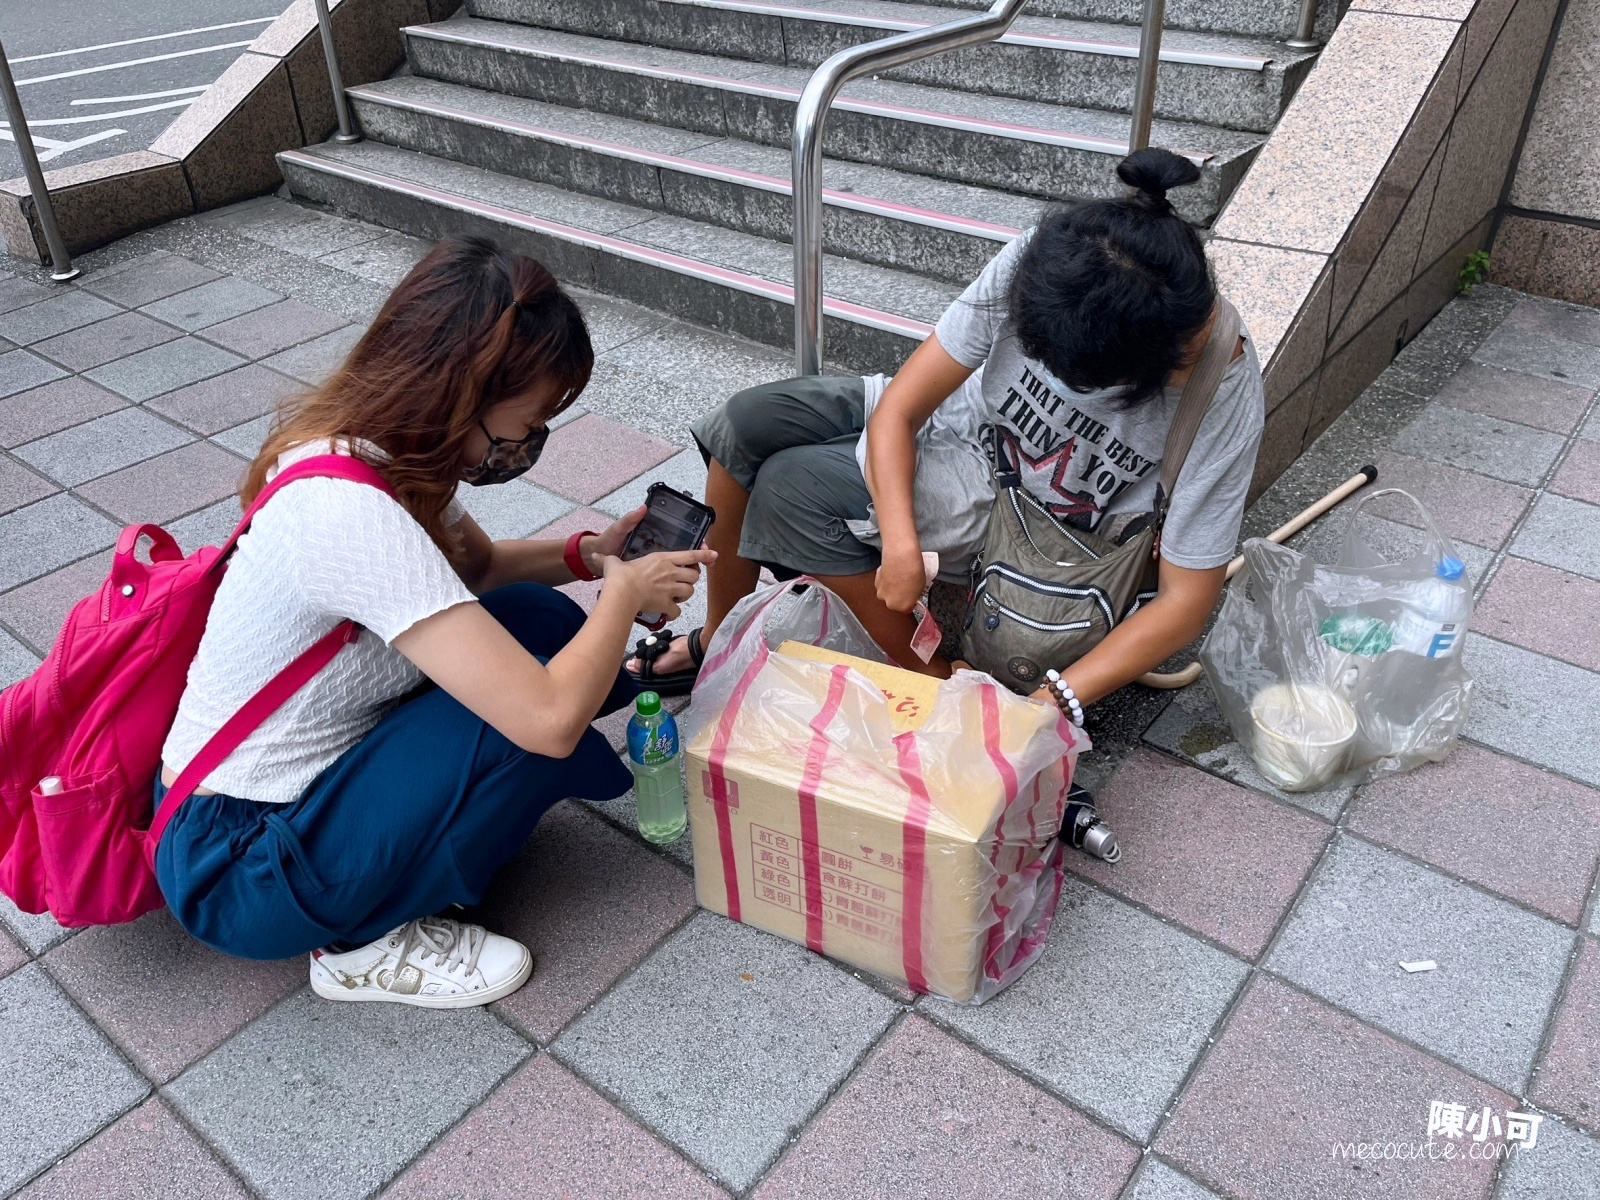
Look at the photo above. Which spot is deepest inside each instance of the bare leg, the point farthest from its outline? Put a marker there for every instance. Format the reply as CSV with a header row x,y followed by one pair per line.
x,y
891,630
728,580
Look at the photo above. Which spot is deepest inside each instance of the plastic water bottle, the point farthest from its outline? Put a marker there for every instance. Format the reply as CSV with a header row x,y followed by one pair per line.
x,y
657,785
1434,619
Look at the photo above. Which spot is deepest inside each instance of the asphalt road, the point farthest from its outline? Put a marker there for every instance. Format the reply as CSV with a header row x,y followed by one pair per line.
x,y
103,77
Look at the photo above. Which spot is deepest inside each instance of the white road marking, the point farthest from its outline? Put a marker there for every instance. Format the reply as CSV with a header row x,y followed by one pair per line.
x,y
184,91
50,148
132,62
110,116
155,37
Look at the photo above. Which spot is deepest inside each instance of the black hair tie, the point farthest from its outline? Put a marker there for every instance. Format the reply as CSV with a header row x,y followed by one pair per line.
x,y
1153,201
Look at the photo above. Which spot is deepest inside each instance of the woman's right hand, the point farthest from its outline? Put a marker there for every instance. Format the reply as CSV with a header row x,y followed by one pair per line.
x,y
659,582
901,578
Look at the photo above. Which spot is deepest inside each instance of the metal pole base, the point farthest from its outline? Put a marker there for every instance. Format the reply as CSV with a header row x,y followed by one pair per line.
x,y
347,139
63,276
1303,44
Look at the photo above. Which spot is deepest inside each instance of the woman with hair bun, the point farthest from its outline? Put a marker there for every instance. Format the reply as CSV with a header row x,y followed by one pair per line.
x,y
1067,355
404,774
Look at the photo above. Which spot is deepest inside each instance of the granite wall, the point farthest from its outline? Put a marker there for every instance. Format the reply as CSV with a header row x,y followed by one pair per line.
x,y
1549,236
1350,229
274,97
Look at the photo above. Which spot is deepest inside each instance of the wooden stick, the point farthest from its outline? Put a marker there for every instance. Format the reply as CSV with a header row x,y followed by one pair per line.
x,y
1183,678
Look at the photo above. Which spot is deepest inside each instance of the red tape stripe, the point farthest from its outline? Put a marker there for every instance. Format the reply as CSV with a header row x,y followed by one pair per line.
x,y
810,780
914,835
990,704
715,763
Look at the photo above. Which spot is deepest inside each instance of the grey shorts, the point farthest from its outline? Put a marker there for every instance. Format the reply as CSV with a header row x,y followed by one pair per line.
x,y
792,446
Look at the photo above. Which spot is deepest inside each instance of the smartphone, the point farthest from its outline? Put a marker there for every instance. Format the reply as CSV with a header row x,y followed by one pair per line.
x,y
672,521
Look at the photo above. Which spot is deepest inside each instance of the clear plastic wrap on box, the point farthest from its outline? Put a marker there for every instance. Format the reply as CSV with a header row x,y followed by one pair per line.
x,y
1346,671
901,824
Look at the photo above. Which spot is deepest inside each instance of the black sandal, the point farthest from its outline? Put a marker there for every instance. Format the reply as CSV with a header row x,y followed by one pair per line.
x,y
676,683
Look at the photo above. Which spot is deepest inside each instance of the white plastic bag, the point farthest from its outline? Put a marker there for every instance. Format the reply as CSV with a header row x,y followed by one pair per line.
x,y
1352,670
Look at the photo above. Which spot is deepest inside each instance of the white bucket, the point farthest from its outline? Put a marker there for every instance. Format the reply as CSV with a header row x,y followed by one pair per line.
x,y
1302,733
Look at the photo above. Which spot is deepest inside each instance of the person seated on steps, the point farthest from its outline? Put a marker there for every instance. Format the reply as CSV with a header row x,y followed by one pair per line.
x,y
1069,353
411,769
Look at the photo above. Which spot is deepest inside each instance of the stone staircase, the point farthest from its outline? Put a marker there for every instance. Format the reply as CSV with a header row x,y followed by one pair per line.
x,y
641,147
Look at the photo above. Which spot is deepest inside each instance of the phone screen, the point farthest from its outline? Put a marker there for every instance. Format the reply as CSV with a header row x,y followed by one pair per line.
x,y
670,523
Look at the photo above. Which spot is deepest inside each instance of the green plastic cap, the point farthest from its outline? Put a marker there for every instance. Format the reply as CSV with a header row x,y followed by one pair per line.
x,y
648,704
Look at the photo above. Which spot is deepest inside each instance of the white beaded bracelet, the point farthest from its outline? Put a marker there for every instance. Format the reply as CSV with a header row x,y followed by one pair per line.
x,y
1066,698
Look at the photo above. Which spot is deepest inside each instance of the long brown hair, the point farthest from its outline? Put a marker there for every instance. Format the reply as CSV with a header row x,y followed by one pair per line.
x,y
472,324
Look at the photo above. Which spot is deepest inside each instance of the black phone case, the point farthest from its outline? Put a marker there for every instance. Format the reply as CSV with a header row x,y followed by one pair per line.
x,y
708,519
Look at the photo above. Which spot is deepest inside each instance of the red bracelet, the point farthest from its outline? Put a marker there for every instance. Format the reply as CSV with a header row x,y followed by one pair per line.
x,y
573,557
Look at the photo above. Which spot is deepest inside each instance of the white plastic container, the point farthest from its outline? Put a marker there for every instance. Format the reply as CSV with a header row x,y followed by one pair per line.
x,y
1302,732
1433,622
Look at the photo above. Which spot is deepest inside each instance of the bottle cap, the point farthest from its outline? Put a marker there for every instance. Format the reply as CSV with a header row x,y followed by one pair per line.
x,y
1450,568
648,704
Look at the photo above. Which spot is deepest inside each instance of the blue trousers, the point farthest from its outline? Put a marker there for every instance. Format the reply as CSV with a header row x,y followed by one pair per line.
x,y
418,815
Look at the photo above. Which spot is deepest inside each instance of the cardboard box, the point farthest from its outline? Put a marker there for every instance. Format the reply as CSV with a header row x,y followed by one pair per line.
x,y
900,824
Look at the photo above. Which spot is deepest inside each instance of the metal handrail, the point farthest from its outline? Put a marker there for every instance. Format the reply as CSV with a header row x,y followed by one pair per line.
x,y
1144,88
341,106
60,260
809,118
1305,34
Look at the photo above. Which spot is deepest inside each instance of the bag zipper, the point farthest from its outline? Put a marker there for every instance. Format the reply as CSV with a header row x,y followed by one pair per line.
x,y
1016,507
1011,574
1042,626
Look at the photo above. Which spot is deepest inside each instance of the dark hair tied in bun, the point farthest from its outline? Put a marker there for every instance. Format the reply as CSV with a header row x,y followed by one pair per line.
x,y
1152,172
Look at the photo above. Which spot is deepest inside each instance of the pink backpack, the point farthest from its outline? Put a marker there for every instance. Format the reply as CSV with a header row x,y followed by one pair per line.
x,y
80,738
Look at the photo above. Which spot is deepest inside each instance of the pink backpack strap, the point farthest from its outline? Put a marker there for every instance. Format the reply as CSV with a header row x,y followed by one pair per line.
x,y
293,677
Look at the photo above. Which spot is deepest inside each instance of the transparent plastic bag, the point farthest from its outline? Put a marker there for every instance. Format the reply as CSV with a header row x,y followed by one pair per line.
x,y
899,824
1343,672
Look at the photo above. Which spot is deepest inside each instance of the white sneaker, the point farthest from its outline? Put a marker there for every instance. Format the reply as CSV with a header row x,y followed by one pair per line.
x,y
432,963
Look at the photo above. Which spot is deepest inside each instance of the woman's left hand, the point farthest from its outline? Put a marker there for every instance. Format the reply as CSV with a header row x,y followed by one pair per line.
x,y
601,546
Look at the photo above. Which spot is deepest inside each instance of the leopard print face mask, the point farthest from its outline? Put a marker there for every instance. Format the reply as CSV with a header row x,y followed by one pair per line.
x,y
506,459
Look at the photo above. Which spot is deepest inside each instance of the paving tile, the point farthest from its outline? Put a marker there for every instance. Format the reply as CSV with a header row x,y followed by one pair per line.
x,y
1563,1166
623,812
210,303
36,610
1523,350
512,510
168,485
246,440
20,370
1563,533
1569,1077
1290,1080
1579,476
668,376
60,1080
1464,504
1513,396
593,456
1490,446
162,996
226,400
589,903
1542,609
312,362
685,471
1516,695
37,932
147,1153
12,955
149,278
163,368
1192,728
47,535
1555,319
208,527
34,414
277,327
20,486
106,444
545,1135
320,1098
66,310
16,660
302,231
1591,427
887,1133
386,260
793,1023
612,321
1158,1181
1367,910
1114,1013
17,293
115,337
1209,854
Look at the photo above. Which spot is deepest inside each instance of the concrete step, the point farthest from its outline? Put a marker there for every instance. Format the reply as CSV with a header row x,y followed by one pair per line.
x,y
1273,19
1215,80
730,281
911,222
1018,145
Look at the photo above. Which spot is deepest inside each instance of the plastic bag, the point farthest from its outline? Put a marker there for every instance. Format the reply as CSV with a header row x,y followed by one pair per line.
x,y
901,824
1347,671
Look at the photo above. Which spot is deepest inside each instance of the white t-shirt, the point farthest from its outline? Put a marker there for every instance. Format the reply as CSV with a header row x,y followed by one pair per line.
x,y
1084,456
319,552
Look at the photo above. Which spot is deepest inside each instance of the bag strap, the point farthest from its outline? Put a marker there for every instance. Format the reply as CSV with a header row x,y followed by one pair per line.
x,y
1198,393
293,677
